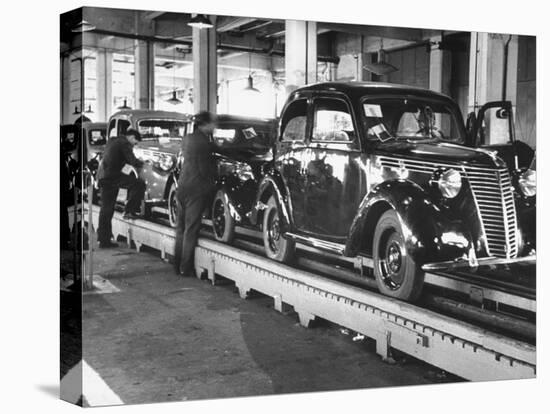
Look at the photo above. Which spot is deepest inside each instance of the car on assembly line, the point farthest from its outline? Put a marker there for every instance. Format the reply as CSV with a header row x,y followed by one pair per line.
x,y
88,149
245,149
161,139
389,172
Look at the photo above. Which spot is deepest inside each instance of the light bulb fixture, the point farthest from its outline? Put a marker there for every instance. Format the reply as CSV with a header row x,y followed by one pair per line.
x,y
174,99
76,111
200,21
124,106
89,110
381,67
250,86
83,26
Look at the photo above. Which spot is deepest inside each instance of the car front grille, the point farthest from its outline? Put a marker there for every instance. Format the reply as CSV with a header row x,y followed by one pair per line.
x,y
492,191
493,195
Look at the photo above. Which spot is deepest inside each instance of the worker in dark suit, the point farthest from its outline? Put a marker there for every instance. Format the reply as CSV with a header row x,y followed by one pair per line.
x,y
195,187
112,175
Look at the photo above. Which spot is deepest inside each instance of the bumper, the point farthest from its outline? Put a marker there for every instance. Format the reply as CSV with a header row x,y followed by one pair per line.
x,y
486,261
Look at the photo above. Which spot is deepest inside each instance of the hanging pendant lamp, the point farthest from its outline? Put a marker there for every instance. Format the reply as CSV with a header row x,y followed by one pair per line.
x,y
381,67
124,106
250,87
174,99
83,26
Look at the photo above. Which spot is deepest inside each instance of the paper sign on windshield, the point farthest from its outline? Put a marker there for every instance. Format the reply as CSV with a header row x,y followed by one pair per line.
x,y
372,111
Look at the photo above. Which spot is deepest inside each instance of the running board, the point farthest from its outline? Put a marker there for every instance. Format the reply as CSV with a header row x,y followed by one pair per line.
x,y
335,248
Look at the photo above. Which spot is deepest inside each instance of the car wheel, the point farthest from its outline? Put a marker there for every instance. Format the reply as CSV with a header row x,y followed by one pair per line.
x,y
223,223
396,273
275,245
172,206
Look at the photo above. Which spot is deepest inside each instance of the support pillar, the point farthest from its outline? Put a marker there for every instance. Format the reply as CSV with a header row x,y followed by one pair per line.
x,y
66,110
104,85
300,53
144,74
205,69
488,70
440,67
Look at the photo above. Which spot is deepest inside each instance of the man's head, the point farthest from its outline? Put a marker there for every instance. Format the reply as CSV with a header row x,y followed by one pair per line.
x,y
133,136
205,121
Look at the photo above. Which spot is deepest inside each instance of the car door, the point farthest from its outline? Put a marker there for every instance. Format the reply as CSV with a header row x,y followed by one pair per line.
x,y
333,178
291,153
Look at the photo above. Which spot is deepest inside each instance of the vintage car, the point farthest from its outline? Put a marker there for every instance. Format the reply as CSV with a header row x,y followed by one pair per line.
x,y
162,133
94,141
245,148
389,172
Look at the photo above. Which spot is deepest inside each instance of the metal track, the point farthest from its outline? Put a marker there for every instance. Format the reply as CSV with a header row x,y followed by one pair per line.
x,y
457,347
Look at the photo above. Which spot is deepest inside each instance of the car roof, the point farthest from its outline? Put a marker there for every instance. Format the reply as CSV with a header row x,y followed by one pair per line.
x,y
243,119
151,114
369,88
89,125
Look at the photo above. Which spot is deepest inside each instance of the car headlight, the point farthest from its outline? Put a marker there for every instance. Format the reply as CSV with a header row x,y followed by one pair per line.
x,y
166,162
449,183
527,183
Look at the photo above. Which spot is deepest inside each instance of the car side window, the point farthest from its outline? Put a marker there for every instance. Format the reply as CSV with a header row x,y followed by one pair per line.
x,y
122,126
294,121
111,129
332,121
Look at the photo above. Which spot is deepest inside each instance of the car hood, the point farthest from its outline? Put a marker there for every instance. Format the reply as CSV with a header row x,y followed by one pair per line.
x,y
441,152
170,146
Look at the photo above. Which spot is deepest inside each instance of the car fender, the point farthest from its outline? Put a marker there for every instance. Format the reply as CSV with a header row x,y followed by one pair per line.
x,y
430,236
230,198
272,184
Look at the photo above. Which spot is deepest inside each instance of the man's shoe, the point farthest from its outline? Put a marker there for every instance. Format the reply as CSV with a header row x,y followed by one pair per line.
x,y
107,245
131,216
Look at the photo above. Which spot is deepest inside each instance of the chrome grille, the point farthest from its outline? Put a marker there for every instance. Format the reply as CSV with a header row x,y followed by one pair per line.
x,y
492,191
493,194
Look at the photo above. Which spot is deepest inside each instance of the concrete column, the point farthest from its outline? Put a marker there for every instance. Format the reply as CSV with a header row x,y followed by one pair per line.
x,y
66,110
104,85
205,69
440,67
487,67
300,53
144,74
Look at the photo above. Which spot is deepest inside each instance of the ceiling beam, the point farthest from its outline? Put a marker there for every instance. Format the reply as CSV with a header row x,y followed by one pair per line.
x,y
380,31
152,15
234,23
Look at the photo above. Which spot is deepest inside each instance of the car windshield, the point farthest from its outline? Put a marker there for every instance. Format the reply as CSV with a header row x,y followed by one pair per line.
x,y
411,119
97,137
153,129
253,137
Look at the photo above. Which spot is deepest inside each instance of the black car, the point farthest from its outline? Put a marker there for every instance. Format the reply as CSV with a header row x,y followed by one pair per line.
x,y
388,171
245,149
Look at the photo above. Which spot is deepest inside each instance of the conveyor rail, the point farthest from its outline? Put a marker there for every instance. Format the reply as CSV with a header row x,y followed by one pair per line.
x,y
452,345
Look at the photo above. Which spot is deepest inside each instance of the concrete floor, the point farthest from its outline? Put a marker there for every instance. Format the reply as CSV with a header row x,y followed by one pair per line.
x,y
167,338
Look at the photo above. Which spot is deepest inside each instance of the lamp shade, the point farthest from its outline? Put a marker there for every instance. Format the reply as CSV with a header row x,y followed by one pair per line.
x,y
200,21
124,106
174,99
250,86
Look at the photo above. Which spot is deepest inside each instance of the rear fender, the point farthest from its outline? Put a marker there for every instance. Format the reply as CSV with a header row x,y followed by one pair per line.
x,y
430,236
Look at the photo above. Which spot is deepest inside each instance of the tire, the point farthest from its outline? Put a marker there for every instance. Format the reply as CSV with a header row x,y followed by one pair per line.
x,y
172,206
275,245
396,273
223,223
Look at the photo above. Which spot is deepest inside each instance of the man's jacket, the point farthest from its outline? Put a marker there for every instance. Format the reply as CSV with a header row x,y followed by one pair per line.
x,y
118,152
199,165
